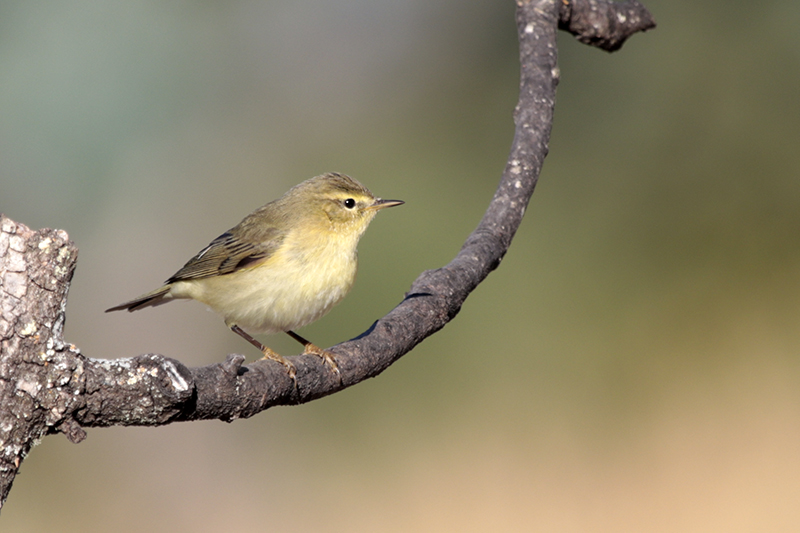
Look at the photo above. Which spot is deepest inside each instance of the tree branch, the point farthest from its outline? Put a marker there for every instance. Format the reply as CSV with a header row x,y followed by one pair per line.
x,y
48,386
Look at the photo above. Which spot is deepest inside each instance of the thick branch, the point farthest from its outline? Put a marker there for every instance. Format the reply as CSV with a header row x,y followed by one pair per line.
x,y
47,386
38,371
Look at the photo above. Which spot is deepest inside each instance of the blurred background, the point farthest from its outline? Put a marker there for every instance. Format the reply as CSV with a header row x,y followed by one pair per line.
x,y
633,365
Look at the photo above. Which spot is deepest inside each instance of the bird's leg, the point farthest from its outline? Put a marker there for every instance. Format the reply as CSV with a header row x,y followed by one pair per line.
x,y
268,353
309,347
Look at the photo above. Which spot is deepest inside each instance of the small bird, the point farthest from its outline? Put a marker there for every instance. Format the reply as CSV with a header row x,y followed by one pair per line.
x,y
282,267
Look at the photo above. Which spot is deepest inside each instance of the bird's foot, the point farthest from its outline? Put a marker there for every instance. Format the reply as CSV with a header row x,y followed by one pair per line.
x,y
326,356
274,356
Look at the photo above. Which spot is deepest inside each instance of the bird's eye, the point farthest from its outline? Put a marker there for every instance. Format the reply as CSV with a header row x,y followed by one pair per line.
x,y
349,203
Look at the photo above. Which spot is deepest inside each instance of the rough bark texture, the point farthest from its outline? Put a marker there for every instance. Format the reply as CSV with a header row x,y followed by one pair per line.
x,y
48,386
39,372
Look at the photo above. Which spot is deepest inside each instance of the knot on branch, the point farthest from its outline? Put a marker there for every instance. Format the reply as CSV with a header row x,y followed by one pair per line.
x,y
72,430
603,23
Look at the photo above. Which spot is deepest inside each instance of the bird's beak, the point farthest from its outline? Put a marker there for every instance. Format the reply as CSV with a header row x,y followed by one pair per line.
x,y
380,204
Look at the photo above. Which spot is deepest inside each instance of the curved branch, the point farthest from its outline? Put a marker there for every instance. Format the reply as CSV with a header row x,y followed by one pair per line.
x,y
47,386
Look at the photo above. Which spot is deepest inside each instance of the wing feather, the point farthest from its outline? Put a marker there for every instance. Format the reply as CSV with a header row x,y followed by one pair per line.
x,y
228,254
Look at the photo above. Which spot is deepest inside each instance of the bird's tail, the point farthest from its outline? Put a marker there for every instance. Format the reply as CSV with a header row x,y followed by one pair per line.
x,y
153,298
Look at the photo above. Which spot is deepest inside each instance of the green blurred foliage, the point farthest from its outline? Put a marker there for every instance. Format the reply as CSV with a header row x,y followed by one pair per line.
x,y
631,366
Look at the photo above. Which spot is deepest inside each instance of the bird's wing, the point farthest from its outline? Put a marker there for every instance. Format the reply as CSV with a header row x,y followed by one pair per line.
x,y
228,254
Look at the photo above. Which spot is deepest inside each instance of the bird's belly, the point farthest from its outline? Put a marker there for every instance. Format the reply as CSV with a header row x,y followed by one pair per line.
x,y
268,300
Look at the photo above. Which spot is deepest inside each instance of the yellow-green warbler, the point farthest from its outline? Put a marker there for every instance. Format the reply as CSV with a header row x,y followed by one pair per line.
x,y
282,267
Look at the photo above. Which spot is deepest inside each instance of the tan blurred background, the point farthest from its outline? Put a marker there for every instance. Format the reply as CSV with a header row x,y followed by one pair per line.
x,y
633,365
